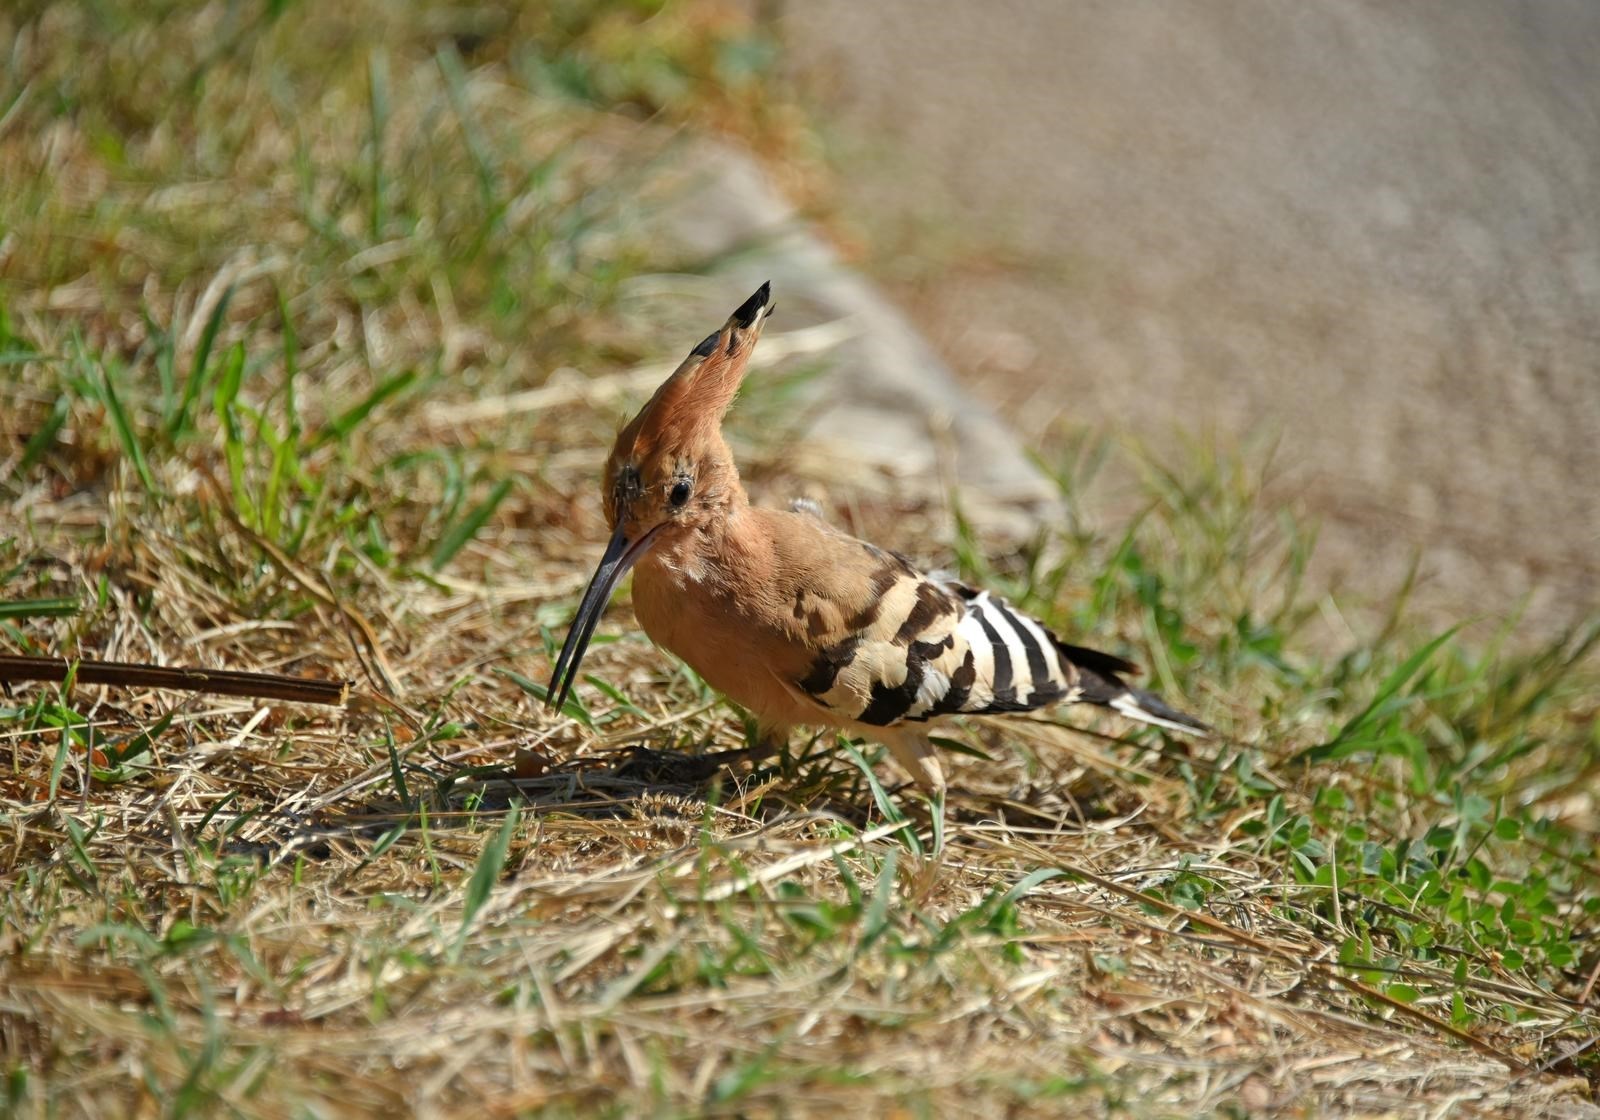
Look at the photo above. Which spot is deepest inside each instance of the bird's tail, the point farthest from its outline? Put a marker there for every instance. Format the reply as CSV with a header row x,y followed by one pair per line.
x,y
1100,682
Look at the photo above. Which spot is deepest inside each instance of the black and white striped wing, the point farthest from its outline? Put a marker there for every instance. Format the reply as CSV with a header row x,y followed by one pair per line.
x,y
939,649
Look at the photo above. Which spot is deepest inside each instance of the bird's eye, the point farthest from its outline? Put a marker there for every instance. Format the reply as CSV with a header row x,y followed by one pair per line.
x,y
681,491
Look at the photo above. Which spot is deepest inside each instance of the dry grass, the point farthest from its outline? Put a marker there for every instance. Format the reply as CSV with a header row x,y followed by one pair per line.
x,y
445,900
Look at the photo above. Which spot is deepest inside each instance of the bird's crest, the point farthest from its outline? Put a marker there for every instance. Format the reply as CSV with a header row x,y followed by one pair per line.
x,y
686,411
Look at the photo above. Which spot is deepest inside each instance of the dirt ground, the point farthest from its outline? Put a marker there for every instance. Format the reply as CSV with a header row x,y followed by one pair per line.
x,y
1371,232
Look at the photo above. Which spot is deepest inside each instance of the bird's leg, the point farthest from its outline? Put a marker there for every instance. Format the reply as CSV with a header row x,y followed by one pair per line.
x,y
917,757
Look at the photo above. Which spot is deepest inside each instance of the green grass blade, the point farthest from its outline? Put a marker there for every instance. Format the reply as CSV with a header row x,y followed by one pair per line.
x,y
59,764
616,695
125,759
137,745
455,84
124,429
484,876
227,391
378,104
291,367
39,608
572,709
348,421
42,439
271,507
457,536
179,419
166,357
875,918
956,746
891,812
1033,879
1354,729
223,400
397,772
78,847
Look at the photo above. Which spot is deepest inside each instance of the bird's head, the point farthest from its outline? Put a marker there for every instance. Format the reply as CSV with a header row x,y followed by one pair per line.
x,y
670,472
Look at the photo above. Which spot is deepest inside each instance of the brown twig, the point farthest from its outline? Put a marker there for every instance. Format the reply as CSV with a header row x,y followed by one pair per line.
x,y
221,682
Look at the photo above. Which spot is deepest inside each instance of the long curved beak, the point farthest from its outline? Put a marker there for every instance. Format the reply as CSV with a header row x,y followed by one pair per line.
x,y
621,554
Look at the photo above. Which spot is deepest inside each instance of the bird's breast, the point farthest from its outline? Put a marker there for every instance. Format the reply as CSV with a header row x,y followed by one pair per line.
x,y
721,633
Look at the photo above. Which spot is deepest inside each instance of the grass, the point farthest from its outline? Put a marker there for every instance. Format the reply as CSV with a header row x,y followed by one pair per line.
x,y
250,284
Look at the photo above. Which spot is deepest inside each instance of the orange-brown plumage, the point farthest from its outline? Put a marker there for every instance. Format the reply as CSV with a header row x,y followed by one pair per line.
x,y
794,620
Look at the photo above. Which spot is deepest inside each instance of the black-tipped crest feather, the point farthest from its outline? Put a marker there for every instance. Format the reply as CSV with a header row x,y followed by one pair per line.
x,y
751,308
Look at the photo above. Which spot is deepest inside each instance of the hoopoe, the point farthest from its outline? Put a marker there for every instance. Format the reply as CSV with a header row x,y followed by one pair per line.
x,y
796,621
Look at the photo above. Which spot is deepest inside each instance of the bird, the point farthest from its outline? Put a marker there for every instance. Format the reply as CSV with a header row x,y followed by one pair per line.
x,y
797,621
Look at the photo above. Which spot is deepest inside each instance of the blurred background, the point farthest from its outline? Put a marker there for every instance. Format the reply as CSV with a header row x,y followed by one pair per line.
x,y
1366,233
